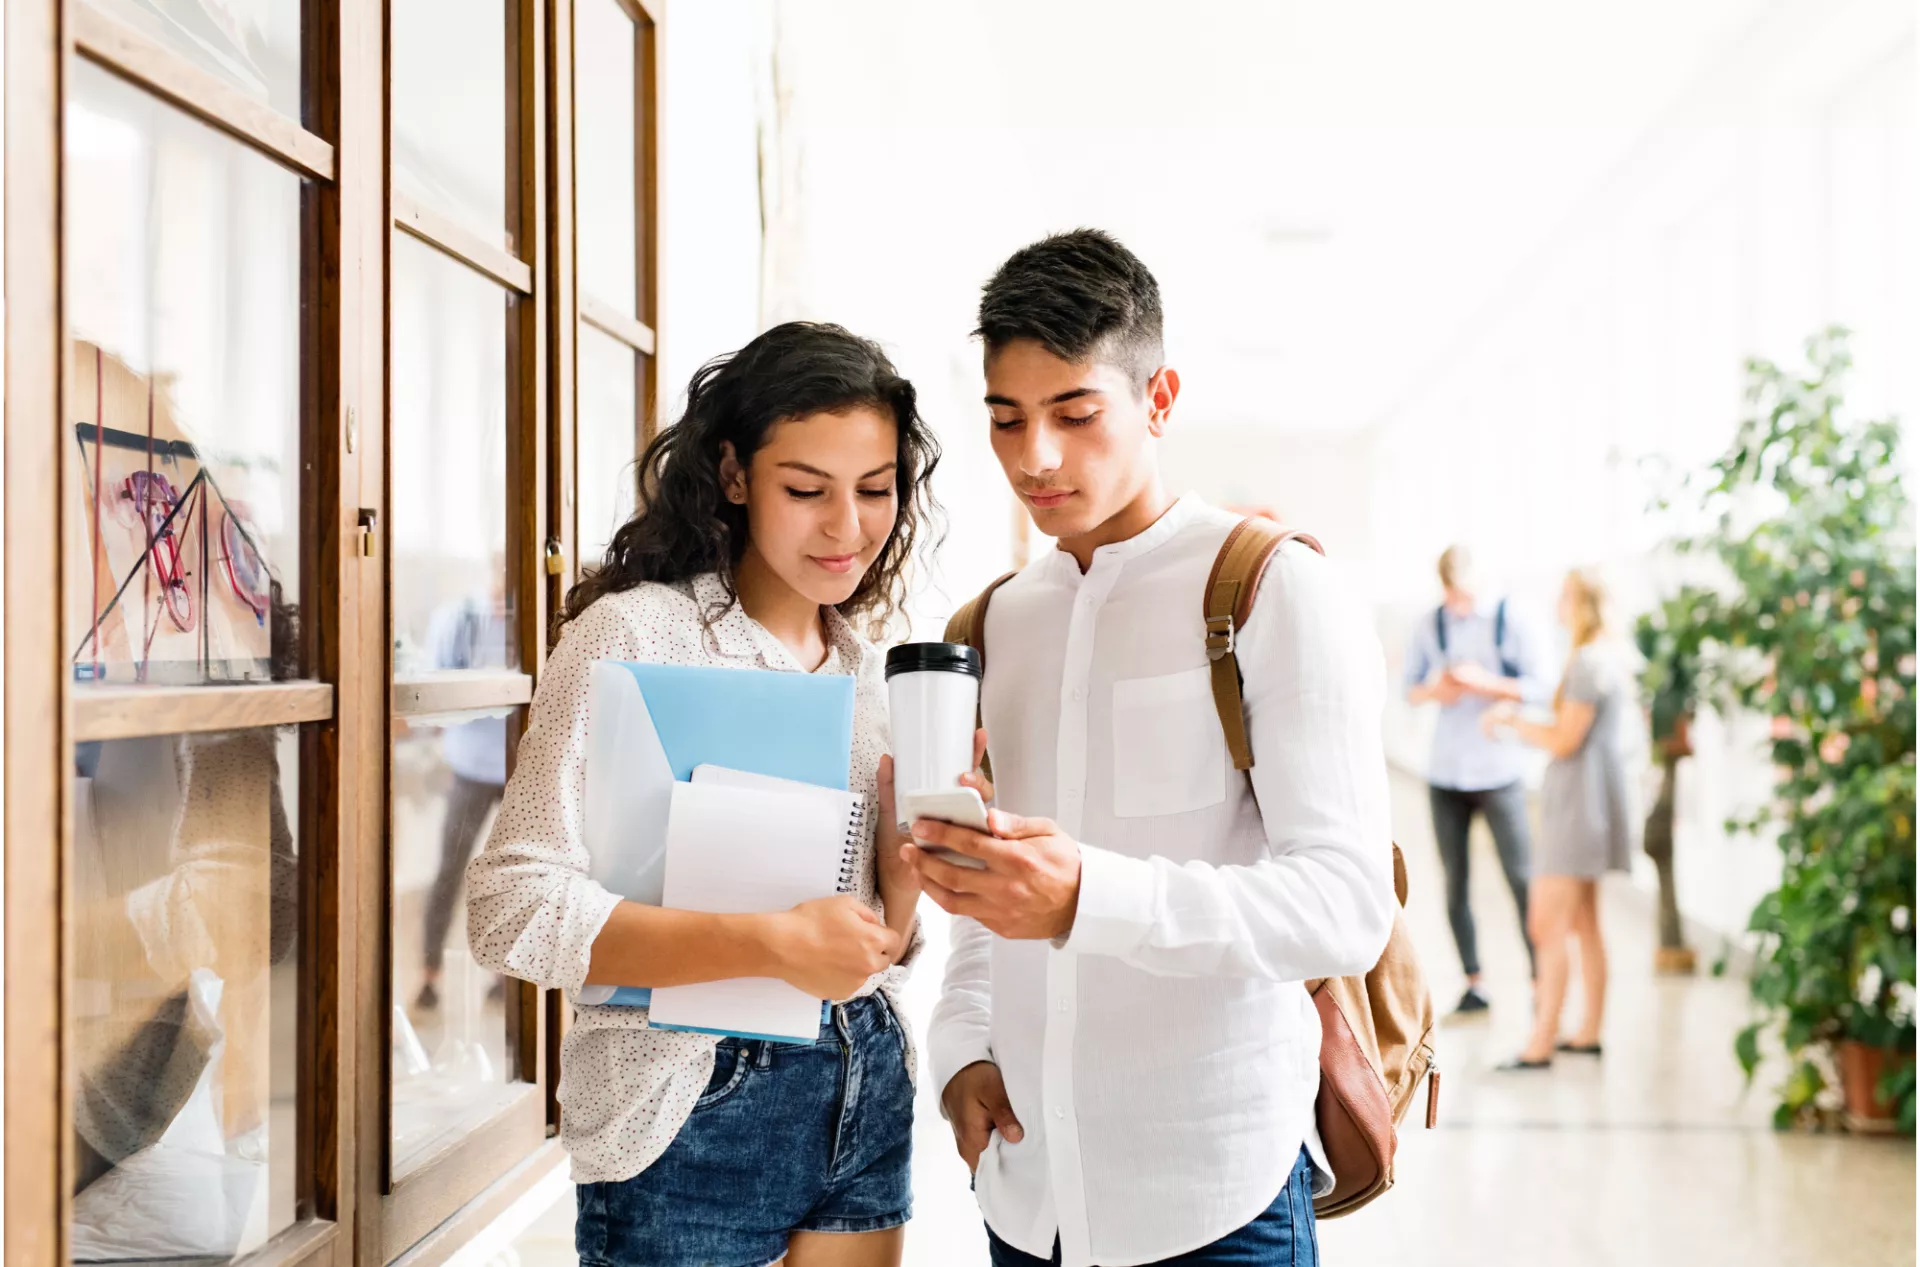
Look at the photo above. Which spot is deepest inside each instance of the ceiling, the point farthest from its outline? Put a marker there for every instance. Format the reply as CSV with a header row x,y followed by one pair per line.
x,y
1326,191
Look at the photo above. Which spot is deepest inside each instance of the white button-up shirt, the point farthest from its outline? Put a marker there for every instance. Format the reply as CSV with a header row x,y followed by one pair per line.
x,y
1163,1058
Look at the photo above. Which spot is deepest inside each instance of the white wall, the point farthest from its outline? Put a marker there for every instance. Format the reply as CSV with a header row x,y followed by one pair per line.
x,y
1723,185
1778,195
716,78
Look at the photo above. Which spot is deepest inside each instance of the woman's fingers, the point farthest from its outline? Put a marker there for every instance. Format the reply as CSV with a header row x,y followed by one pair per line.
x,y
979,783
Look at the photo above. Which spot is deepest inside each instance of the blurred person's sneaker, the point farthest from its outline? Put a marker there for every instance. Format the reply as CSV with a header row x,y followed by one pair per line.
x,y
1473,1005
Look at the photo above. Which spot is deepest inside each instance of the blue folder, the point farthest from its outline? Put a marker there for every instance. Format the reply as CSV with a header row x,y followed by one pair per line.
x,y
788,725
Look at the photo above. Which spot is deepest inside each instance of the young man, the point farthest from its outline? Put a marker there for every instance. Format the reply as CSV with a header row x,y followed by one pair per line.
x,y
1127,1056
1466,656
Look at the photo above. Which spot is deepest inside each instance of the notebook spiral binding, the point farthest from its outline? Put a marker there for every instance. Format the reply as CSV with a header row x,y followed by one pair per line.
x,y
850,852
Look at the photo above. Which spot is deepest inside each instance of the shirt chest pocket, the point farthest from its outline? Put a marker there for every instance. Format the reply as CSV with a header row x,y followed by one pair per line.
x,y
1168,754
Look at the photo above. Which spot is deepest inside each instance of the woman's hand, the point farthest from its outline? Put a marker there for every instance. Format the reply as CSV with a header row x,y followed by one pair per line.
x,y
1498,718
896,876
830,946
976,778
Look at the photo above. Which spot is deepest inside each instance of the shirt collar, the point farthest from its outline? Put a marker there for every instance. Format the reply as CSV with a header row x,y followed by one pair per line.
x,y
739,636
1156,534
1483,609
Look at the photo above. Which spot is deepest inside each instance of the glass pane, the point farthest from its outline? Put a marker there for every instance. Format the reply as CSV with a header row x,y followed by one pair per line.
x,y
608,439
450,1055
185,901
604,85
254,45
183,293
451,607
449,95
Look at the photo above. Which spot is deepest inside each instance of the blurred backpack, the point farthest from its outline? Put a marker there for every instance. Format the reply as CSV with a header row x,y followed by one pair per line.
x,y
1376,1031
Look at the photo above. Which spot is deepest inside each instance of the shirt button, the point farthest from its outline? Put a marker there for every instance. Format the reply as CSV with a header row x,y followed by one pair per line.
x,y
1060,1113
1079,692
1063,1005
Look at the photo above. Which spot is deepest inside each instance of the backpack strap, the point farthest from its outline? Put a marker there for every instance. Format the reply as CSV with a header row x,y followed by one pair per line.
x,y
1509,667
969,626
1228,602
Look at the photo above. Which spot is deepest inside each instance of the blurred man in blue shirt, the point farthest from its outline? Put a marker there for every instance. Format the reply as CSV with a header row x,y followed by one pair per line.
x,y
1465,656
470,633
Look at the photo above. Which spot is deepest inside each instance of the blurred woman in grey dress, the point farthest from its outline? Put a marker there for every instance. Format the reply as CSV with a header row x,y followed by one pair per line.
x,y
1587,819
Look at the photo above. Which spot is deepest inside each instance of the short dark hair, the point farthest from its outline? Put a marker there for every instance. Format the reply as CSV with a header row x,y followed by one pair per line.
x,y
1080,295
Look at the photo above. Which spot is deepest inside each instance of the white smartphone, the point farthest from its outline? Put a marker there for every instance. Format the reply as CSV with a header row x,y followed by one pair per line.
x,y
961,806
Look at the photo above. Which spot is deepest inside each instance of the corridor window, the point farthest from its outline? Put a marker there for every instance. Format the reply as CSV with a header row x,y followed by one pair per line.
x,y
613,190
450,111
185,994
184,306
452,602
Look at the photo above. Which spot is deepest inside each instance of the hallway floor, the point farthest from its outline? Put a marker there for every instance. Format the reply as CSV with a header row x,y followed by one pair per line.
x,y
1651,1155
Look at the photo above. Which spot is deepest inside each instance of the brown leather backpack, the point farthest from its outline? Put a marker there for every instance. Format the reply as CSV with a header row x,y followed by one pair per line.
x,y
1376,1031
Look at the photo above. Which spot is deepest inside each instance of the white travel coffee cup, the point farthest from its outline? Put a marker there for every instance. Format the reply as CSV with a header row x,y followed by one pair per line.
x,y
933,691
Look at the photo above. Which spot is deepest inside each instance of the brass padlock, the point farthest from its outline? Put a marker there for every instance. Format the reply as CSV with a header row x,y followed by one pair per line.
x,y
556,558
368,518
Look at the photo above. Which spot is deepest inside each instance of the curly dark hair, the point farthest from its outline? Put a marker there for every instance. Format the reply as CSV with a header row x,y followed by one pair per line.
x,y
685,526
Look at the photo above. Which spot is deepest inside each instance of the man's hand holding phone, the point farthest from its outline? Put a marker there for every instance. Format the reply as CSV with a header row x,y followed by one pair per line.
x,y
1027,882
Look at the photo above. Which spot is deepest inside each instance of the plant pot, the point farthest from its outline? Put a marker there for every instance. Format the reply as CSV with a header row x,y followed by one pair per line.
x,y
1674,961
1861,1067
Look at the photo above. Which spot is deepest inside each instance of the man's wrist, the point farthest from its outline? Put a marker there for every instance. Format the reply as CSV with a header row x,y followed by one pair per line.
x,y
1070,911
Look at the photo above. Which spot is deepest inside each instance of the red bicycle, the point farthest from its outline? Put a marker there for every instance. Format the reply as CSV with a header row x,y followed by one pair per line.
x,y
246,570
148,500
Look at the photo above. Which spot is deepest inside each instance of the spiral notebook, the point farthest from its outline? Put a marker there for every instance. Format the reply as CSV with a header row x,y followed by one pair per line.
x,y
740,843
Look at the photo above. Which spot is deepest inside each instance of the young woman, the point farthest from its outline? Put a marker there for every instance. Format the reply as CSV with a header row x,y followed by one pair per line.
x,y
782,507
1586,820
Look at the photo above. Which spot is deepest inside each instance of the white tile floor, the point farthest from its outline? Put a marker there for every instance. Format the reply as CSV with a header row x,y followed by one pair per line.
x,y
1652,1155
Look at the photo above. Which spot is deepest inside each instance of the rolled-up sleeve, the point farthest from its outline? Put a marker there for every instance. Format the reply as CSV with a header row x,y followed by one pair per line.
x,y
1321,903
532,910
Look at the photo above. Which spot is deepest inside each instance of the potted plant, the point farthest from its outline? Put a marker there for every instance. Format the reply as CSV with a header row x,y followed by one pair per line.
x,y
1814,627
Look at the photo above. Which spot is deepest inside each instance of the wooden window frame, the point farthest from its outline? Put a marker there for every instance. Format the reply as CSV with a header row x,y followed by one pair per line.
x,y
574,305
47,712
350,1212
401,1210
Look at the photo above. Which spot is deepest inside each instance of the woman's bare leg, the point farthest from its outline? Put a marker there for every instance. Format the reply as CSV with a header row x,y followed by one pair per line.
x,y
846,1249
1551,902
1593,962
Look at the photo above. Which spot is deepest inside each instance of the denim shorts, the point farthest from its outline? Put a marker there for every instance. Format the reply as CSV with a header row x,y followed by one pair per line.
x,y
1284,1236
788,1137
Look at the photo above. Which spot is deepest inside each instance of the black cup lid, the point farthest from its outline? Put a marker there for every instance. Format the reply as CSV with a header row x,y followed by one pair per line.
x,y
933,657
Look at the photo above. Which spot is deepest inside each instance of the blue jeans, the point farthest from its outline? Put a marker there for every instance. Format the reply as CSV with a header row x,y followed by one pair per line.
x,y
788,1137
1505,809
1281,1237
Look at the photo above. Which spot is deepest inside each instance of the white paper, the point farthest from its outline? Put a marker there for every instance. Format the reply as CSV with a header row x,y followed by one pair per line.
x,y
734,849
